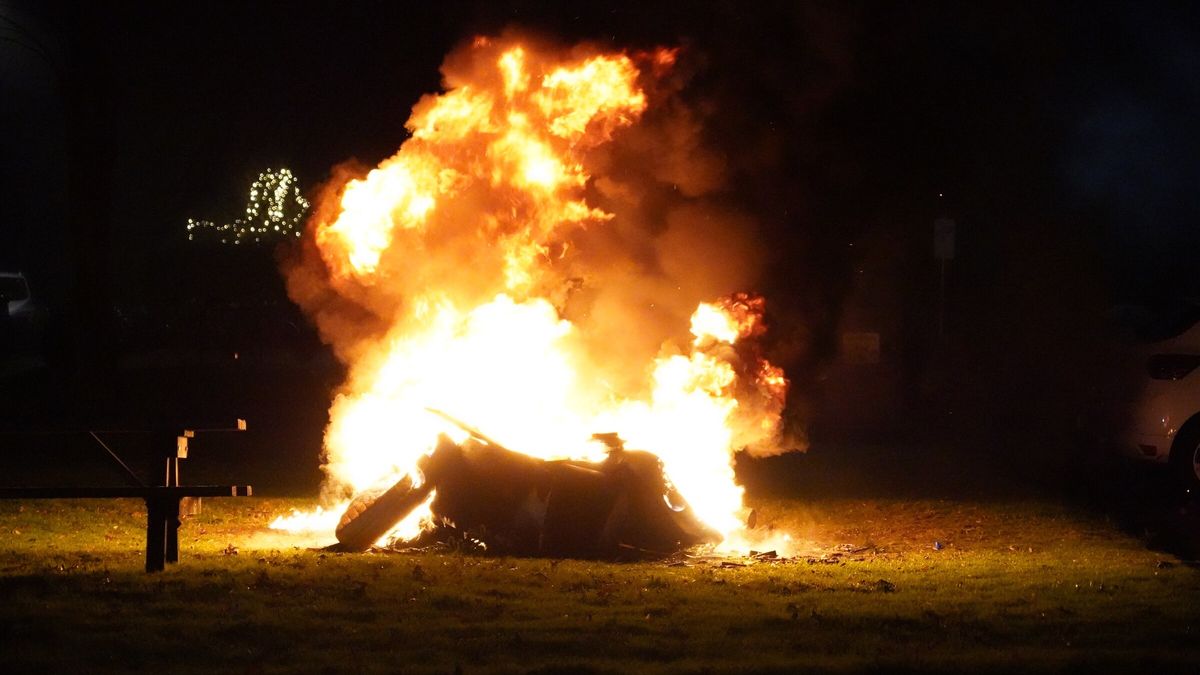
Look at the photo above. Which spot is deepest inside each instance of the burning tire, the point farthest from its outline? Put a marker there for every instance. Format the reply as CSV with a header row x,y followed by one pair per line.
x,y
371,515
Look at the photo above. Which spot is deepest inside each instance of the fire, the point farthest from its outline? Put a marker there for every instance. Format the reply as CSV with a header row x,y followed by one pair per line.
x,y
467,251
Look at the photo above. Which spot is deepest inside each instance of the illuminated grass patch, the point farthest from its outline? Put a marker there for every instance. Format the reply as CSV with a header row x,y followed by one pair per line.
x,y
1011,585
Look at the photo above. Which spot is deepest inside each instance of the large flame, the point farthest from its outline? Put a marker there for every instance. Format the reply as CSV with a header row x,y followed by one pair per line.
x,y
461,280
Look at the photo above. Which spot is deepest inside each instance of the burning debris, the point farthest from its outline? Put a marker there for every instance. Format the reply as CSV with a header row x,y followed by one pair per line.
x,y
546,254
511,503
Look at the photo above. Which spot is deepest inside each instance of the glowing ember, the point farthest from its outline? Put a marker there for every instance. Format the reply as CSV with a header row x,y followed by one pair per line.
x,y
503,266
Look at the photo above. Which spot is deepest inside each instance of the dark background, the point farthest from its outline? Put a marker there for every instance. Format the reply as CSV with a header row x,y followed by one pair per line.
x,y
1060,139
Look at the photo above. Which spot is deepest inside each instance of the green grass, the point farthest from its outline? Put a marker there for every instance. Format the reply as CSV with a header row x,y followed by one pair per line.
x,y
1025,585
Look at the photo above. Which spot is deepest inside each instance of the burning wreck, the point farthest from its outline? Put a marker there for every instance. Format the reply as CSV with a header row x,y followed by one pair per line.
x,y
548,254
508,502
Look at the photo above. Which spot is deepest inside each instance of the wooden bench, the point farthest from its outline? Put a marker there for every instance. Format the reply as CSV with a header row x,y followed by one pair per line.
x,y
162,501
162,509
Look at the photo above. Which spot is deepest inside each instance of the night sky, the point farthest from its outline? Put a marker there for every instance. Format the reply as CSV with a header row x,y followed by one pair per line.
x,y
1061,139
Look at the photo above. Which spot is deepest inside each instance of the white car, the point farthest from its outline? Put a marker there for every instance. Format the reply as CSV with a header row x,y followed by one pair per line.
x,y
1164,423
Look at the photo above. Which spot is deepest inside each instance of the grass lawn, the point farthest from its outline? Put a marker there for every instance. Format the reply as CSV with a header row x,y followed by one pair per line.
x,y
1015,586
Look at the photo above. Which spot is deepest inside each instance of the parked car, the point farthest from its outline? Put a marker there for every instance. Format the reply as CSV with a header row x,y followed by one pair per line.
x,y
21,318
1164,418
14,294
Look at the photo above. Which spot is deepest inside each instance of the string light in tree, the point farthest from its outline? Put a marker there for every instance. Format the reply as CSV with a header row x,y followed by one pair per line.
x,y
275,210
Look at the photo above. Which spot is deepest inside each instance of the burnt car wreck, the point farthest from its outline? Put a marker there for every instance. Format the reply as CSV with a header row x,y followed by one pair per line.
x,y
513,504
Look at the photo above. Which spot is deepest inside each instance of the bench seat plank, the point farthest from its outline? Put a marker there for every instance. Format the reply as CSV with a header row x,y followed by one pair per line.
x,y
150,492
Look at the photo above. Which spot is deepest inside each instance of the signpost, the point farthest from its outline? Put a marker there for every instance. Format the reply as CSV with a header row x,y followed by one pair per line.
x,y
943,250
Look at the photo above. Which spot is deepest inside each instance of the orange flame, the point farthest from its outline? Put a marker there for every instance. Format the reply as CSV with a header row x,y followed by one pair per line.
x,y
461,245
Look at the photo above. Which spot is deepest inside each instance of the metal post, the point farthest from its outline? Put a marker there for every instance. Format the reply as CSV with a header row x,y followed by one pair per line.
x,y
942,302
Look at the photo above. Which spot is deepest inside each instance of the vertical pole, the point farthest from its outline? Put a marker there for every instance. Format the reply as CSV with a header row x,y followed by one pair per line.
x,y
171,518
156,531
942,302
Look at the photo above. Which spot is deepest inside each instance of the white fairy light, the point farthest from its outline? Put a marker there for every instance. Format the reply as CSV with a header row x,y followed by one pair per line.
x,y
274,200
